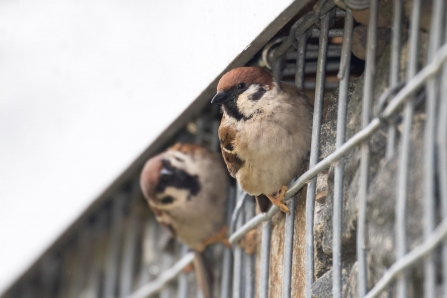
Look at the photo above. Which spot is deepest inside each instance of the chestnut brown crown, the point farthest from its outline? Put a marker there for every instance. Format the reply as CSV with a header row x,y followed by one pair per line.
x,y
247,75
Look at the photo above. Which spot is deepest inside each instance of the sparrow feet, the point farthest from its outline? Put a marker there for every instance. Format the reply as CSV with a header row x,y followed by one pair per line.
x,y
220,236
277,199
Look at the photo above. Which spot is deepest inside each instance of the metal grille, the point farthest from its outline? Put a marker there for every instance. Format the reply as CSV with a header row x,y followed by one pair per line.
x,y
121,252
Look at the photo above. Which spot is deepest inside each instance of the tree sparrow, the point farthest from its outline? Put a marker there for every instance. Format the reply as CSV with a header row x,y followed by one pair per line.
x,y
265,131
186,187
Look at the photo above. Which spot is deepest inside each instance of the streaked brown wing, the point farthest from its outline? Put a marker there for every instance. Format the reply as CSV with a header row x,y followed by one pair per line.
x,y
227,135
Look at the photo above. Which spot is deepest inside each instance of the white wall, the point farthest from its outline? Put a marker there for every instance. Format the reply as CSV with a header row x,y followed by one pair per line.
x,y
85,86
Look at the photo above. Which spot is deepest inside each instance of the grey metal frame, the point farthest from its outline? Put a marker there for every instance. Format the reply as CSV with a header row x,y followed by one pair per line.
x,y
123,270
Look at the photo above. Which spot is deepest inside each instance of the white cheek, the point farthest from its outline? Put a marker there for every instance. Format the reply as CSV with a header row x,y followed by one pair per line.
x,y
179,195
246,106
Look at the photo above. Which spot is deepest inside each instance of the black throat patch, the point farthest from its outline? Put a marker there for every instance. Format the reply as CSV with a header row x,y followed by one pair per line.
x,y
180,179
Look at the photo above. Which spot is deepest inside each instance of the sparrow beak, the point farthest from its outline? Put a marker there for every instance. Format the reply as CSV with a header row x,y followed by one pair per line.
x,y
165,172
221,97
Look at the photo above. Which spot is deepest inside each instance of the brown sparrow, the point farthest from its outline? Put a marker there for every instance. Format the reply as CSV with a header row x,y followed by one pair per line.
x,y
186,187
265,131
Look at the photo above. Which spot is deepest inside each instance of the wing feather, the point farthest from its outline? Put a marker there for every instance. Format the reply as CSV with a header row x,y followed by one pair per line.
x,y
227,135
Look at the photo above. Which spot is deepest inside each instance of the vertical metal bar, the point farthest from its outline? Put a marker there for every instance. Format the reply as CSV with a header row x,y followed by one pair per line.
x,y
112,254
442,164
166,263
265,259
182,290
250,260
394,70
94,277
290,218
314,153
368,93
339,168
238,262
227,257
429,148
300,61
404,157
288,250
130,241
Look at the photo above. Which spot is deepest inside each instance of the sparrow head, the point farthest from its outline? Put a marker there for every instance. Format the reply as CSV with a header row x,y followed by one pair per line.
x,y
244,91
170,178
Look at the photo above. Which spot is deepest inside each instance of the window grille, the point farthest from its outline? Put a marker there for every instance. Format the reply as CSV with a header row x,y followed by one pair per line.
x,y
120,251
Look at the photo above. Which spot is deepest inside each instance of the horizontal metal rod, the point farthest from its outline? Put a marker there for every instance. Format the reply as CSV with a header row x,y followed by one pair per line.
x,y
410,259
411,87
158,284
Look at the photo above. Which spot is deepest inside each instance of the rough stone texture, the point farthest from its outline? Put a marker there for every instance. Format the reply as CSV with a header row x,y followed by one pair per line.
x,y
382,196
322,288
359,38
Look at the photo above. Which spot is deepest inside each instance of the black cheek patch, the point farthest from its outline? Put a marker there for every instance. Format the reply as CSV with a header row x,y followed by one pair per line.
x,y
258,94
167,200
180,179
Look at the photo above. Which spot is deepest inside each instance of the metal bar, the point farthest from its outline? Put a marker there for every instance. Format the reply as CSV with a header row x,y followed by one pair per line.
x,y
368,95
311,67
300,61
442,164
332,33
112,255
394,70
129,247
168,275
250,260
420,251
339,168
227,257
314,152
182,291
265,259
237,251
290,218
288,251
429,148
404,157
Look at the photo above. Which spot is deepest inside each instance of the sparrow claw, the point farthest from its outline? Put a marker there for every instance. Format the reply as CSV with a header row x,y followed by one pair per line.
x,y
220,236
277,200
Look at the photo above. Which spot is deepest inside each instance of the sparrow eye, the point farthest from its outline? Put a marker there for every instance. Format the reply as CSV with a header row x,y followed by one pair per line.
x,y
241,86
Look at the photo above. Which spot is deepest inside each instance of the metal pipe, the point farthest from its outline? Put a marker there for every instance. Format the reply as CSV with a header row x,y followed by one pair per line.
x,y
314,152
227,257
442,164
394,70
288,251
404,157
339,168
300,61
431,106
368,95
250,260
112,254
238,261
265,259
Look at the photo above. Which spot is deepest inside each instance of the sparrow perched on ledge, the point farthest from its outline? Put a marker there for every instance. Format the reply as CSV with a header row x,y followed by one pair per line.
x,y
265,131
186,187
